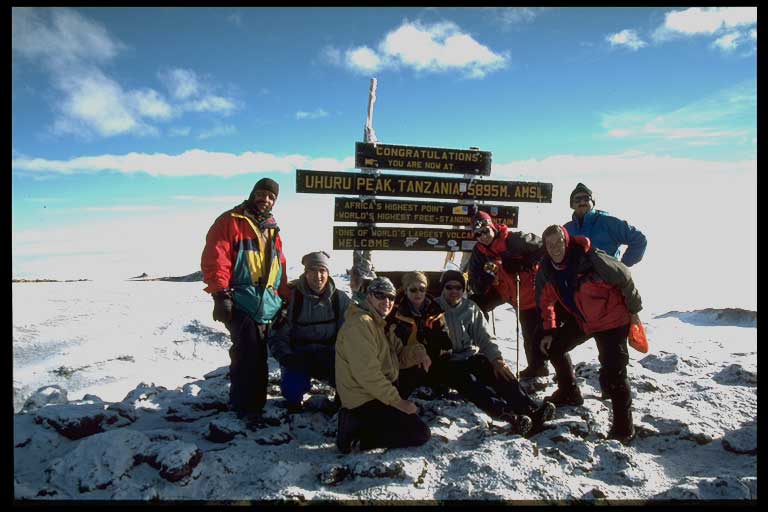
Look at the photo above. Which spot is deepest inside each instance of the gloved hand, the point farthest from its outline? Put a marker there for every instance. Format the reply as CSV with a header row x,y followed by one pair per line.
x,y
222,306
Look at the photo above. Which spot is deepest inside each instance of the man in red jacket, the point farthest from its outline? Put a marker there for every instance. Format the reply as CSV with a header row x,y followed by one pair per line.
x,y
597,298
496,259
244,267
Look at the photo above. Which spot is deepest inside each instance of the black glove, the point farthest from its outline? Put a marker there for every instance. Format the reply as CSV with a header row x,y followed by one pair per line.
x,y
294,362
222,306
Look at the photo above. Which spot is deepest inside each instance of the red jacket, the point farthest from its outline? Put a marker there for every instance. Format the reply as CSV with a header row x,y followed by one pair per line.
x,y
253,266
603,291
511,253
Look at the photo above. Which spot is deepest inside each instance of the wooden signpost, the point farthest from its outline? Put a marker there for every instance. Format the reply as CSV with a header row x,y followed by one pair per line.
x,y
350,209
414,158
402,238
393,185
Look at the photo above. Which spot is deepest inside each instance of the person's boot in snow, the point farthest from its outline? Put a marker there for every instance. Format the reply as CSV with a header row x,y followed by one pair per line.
x,y
347,438
622,429
534,371
542,414
566,396
519,423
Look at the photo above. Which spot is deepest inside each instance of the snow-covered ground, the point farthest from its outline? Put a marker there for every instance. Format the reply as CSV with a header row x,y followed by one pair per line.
x,y
144,415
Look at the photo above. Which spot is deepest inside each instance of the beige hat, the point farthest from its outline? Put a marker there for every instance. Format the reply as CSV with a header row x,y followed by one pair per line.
x,y
410,278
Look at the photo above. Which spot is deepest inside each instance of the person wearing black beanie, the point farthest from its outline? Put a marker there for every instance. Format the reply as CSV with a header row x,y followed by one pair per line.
x,y
244,271
604,231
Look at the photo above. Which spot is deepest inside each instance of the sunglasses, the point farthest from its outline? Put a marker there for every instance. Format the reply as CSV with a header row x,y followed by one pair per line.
x,y
456,287
482,232
579,199
417,289
382,296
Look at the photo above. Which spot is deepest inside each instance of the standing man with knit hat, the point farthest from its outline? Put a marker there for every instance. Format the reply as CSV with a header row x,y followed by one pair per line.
x,y
244,269
498,258
303,339
604,231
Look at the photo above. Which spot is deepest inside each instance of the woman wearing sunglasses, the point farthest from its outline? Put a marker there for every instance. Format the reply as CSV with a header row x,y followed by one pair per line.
x,y
375,411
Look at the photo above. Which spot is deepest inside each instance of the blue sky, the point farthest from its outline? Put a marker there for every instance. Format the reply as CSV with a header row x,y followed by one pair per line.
x,y
123,116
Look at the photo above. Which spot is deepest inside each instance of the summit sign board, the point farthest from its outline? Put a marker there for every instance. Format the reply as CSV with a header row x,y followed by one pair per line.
x,y
403,239
422,159
350,209
324,182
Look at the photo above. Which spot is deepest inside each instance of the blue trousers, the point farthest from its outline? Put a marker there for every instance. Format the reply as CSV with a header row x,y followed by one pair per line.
x,y
318,362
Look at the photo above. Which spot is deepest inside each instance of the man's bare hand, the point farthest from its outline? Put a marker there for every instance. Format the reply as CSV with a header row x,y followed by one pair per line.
x,y
406,406
501,370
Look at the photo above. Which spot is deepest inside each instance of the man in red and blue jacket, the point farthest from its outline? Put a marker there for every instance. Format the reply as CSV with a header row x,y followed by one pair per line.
x,y
582,293
498,257
244,269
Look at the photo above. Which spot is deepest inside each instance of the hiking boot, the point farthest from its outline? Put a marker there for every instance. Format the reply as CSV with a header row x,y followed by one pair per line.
x,y
534,371
543,413
622,436
347,437
518,423
569,396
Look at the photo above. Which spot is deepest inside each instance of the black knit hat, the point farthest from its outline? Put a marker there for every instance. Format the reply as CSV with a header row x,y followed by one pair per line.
x,y
452,275
266,184
582,188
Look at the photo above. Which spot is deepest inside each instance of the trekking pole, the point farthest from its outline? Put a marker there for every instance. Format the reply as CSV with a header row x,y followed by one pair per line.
x,y
493,320
517,321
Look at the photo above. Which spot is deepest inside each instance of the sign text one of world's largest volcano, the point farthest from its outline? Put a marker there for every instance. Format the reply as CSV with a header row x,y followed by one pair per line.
x,y
438,187
350,209
402,239
420,159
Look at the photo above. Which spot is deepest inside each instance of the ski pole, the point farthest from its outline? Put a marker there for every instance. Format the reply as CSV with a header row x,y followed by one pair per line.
x,y
517,321
493,320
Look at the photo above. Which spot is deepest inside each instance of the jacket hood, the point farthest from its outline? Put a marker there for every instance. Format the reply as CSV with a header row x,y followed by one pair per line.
x,y
357,311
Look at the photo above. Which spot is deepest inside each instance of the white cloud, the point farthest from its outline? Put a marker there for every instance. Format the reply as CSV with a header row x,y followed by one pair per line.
x,y
60,37
628,38
431,48
316,114
515,15
753,34
704,21
728,42
331,55
150,103
720,118
182,83
194,162
179,131
236,18
363,59
218,131
211,104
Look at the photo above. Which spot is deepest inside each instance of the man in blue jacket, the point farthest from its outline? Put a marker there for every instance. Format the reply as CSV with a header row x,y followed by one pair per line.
x,y
604,231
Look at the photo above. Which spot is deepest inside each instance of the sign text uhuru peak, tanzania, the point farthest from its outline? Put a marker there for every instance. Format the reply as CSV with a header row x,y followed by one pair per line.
x,y
324,182
349,209
402,239
413,158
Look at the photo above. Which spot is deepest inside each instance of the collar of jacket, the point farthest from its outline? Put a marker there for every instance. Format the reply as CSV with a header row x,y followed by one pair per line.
x,y
267,221
367,309
499,244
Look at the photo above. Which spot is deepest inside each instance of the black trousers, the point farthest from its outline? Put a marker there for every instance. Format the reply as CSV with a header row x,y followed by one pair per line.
x,y
383,426
248,370
529,322
612,352
475,379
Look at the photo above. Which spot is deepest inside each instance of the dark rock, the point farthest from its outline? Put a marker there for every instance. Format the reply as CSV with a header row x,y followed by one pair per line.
x,y
594,494
334,476
223,431
721,316
275,439
46,395
76,421
735,374
742,441
177,459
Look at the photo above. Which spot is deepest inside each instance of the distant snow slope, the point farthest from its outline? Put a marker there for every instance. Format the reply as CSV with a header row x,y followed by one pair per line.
x,y
141,414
